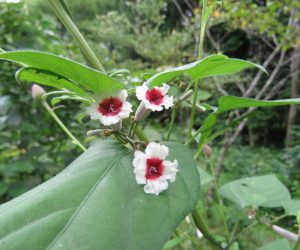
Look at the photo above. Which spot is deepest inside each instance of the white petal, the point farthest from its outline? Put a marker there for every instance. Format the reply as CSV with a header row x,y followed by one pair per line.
x,y
93,112
139,160
165,88
123,95
170,170
153,107
168,101
126,110
141,112
141,92
156,186
154,149
109,120
139,164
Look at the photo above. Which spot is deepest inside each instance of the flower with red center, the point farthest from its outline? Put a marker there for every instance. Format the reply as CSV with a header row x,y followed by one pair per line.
x,y
152,169
110,109
153,99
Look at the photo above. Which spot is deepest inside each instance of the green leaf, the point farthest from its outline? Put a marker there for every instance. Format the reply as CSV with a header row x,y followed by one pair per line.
x,y
259,191
58,99
174,242
95,203
227,103
209,66
204,177
82,75
291,207
48,78
281,244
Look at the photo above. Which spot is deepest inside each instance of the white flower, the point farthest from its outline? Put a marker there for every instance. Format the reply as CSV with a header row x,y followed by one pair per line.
x,y
110,109
155,98
152,169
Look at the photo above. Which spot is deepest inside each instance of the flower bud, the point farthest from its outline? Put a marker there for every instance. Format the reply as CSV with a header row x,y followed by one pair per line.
x,y
207,150
37,91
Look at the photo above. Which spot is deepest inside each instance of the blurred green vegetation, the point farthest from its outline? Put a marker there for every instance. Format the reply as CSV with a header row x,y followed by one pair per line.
x,y
145,37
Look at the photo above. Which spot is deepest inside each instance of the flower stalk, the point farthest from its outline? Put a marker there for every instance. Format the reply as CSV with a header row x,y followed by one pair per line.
x,y
61,124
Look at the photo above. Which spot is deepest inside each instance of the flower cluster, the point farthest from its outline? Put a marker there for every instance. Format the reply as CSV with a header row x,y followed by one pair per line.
x,y
111,108
150,168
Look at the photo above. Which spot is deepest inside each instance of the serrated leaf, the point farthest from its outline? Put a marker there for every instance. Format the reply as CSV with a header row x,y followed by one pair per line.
x,y
259,191
281,244
209,66
95,203
82,75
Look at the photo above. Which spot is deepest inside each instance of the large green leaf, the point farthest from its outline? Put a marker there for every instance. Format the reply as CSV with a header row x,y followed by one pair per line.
x,y
291,207
281,244
49,79
209,66
84,76
259,191
95,203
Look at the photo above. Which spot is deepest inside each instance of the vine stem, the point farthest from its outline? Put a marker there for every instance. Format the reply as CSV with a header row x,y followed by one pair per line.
x,y
61,124
61,11
200,223
172,122
200,53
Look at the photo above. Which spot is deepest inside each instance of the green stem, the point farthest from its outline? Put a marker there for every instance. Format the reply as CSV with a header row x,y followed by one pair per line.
x,y
2,50
242,232
192,117
204,229
220,201
140,134
172,122
189,141
199,150
60,123
59,7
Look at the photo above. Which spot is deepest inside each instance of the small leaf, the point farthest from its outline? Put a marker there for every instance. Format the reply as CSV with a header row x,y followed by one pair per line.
x,y
94,202
82,75
259,191
281,244
227,103
209,66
